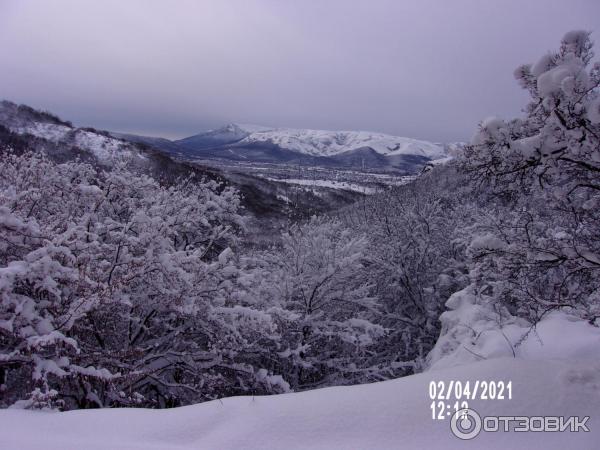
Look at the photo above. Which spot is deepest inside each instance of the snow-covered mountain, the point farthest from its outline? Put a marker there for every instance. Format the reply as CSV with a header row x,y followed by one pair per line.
x,y
337,149
320,143
356,150
221,136
329,143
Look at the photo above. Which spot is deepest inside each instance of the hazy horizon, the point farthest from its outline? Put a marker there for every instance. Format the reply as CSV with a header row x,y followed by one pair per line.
x,y
428,70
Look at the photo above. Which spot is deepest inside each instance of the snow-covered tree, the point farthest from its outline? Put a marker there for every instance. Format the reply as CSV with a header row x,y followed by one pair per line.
x,y
116,290
416,260
321,299
540,250
535,247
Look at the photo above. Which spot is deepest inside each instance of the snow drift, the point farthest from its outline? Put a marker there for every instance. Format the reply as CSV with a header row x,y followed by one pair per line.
x,y
387,415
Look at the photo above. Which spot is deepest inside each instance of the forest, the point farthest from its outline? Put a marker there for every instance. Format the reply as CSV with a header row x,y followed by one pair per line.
x,y
122,287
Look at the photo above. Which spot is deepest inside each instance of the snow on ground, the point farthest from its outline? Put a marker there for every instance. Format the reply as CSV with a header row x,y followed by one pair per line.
x,y
328,143
472,331
50,131
253,128
441,161
331,184
283,198
387,415
105,148
554,372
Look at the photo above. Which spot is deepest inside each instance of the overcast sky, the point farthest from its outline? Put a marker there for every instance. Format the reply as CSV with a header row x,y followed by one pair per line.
x,y
424,69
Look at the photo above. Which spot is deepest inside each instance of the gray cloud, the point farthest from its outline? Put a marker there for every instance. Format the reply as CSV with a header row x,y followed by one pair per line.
x,y
427,69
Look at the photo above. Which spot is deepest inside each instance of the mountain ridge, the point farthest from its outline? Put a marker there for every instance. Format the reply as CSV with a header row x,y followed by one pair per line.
x,y
244,143
313,142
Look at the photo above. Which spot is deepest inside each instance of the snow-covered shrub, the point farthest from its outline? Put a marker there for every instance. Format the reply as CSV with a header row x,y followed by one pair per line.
x,y
44,399
116,290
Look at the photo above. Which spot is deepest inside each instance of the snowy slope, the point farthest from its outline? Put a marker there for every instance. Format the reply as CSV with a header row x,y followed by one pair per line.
x,y
103,147
228,134
329,143
313,142
224,135
23,120
388,415
52,132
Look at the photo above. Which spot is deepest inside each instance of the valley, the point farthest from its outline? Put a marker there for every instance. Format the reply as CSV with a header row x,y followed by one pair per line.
x,y
306,160
299,225
317,171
